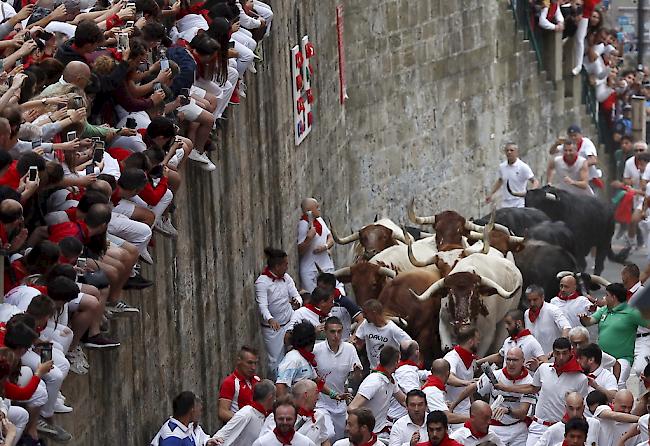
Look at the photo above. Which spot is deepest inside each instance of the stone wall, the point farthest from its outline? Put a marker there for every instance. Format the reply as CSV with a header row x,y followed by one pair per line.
x,y
436,87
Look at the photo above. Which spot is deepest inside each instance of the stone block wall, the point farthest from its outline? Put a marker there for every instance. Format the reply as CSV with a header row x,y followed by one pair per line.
x,y
436,88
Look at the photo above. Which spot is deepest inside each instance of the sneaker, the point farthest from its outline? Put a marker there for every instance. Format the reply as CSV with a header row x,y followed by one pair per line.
x,y
165,226
146,257
195,155
56,433
257,53
251,69
60,407
101,341
122,307
137,282
243,88
209,167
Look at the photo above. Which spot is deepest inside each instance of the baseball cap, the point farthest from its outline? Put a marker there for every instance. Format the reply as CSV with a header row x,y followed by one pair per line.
x,y
574,129
627,107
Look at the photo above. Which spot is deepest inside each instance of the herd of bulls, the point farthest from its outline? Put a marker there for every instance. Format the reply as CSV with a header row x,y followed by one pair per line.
x,y
464,272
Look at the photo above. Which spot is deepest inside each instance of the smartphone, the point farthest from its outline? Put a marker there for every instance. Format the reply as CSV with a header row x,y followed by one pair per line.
x,y
77,102
33,173
122,42
46,352
130,5
164,64
36,143
185,100
157,86
27,37
130,23
96,139
98,154
71,136
131,123
139,15
99,145
310,217
90,169
60,106
81,262
185,92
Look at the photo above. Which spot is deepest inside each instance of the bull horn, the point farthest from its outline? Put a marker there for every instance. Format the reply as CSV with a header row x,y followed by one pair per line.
x,y
419,220
486,232
424,234
398,320
500,291
563,274
416,262
403,236
429,292
475,235
550,196
387,272
345,240
515,239
504,229
599,280
471,226
514,194
345,271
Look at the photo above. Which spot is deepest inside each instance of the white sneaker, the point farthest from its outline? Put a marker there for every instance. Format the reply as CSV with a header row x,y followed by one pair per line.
x,y
576,70
166,227
78,364
209,166
251,69
242,89
195,155
146,257
60,406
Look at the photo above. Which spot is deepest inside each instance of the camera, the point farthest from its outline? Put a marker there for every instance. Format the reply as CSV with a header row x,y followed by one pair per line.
x,y
122,42
81,262
131,123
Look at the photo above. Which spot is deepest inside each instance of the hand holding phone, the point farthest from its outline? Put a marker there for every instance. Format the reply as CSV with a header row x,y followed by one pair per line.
x,y
33,173
46,352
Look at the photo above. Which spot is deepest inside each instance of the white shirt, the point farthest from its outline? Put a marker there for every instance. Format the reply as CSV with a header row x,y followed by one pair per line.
x,y
572,308
436,399
304,314
403,429
605,379
346,442
562,169
7,311
637,288
309,260
555,434
274,298
643,428
376,338
408,377
550,399
631,172
611,430
316,432
335,367
586,149
293,368
517,175
270,440
243,428
457,367
548,326
378,390
465,437
511,400
528,344
21,296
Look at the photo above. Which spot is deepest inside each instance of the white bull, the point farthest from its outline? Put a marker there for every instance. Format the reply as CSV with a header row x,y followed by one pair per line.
x,y
479,290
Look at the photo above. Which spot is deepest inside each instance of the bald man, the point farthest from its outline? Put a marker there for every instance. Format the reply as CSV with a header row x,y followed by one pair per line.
x,y
476,430
614,420
435,390
12,225
575,408
310,421
314,240
571,302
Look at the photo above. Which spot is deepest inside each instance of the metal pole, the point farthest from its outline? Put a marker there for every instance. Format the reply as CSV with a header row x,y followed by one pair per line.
x,y
640,31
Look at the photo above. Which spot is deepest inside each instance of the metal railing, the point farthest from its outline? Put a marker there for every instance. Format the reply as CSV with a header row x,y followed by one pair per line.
x,y
526,21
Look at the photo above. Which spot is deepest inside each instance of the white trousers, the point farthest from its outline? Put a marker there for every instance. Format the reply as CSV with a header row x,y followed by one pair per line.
x,y
245,59
53,380
514,435
223,92
335,422
274,343
245,37
19,417
265,12
134,232
641,351
160,207
535,432
580,36
626,367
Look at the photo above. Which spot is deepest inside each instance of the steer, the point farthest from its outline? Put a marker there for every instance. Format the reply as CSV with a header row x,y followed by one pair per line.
x,y
480,290
518,220
421,316
590,219
371,239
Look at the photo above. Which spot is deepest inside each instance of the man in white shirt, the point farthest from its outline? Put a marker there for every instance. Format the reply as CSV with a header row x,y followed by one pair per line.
x,y
408,376
635,177
589,357
544,320
508,418
411,428
377,331
376,390
310,421
300,363
462,359
571,169
245,426
574,408
521,338
614,420
552,382
571,302
435,390
276,296
284,433
476,430
336,360
314,241
359,429
630,275
579,337
513,173
315,312
587,150
576,431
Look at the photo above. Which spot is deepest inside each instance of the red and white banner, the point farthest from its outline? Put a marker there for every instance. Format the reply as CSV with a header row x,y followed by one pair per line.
x,y
343,86
302,73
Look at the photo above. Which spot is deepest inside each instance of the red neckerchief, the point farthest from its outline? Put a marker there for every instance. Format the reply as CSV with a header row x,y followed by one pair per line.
x,y
579,144
521,334
317,226
380,369
434,381
571,296
257,406
317,311
636,163
552,9
522,375
534,314
372,441
408,362
309,356
564,443
571,366
466,356
284,439
307,413
268,273
569,162
476,434
628,294
337,293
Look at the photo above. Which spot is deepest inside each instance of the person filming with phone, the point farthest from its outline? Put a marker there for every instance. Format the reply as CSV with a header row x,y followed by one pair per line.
x,y
314,241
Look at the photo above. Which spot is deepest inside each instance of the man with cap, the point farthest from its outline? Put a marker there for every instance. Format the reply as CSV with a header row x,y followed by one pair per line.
x,y
314,241
623,126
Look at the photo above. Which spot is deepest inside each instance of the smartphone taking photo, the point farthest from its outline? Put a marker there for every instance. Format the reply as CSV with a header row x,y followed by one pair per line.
x,y
71,136
46,352
33,173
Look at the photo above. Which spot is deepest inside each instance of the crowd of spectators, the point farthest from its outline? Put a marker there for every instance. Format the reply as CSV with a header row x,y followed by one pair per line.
x,y
101,105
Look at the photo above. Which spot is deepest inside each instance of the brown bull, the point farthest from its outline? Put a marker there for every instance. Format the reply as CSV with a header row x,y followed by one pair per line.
x,y
421,316
372,239
367,279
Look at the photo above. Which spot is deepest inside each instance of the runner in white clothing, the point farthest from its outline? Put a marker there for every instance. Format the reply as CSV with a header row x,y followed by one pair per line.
x,y
359,429
544,320
411,428
571,302
408,376
574,408
314,241
572,171
435,389
635,179
515,173
284,433
462,359
615,420
477,430
590,357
